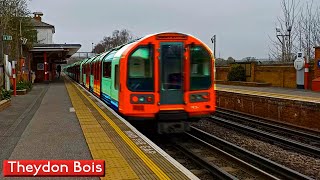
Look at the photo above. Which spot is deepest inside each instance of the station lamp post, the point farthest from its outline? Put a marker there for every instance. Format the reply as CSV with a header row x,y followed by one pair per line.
x,y
213,40
283,41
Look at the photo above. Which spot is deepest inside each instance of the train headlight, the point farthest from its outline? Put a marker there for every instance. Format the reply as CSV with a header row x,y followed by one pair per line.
x,y
135,99
149,99
142,99
199,97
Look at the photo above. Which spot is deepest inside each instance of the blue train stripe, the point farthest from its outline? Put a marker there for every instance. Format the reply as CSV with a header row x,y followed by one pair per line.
x,y
105,98
109,101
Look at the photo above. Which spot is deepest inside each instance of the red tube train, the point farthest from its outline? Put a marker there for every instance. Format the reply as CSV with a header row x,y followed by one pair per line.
x,y
166,78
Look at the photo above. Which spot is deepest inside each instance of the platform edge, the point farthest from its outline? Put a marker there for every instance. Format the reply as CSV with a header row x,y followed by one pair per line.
x,y
147,140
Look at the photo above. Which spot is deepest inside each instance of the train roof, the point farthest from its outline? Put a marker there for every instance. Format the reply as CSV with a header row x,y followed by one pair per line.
x,y
121,48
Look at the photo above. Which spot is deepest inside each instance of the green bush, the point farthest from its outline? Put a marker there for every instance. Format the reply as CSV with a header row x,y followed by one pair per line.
x,y
4,94
24,85
237,73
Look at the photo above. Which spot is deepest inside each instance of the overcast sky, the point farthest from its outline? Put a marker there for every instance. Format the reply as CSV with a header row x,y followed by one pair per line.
x,y
242,27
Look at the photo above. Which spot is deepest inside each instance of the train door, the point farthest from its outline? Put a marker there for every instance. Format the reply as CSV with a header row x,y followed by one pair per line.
x,y
171,71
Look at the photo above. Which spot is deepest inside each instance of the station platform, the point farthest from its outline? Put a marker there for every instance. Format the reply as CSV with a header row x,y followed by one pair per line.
x,y
295,107
61,120
274,92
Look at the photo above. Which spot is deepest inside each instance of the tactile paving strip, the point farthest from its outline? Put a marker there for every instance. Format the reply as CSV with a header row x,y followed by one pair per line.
x,y
99,143
138,164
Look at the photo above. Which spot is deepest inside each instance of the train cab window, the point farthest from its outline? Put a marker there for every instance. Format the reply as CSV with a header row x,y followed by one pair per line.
x,y
140,70
200,77
107,69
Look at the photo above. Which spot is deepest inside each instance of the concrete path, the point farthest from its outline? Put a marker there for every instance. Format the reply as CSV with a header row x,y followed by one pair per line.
x,y
52,132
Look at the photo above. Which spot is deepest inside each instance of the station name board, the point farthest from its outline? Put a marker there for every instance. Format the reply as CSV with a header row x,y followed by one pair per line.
x,y
49,168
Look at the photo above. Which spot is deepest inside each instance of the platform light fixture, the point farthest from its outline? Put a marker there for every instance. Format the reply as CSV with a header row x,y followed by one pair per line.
x,y
283,39
213,40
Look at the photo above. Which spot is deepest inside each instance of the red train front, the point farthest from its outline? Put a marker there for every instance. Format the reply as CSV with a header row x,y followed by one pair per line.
x,y
168,77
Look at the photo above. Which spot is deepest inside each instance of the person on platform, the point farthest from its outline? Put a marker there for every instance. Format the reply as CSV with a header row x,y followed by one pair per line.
x,y
59,71
33,76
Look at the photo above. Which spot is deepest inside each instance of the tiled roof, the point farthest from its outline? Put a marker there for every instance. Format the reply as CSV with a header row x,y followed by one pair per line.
x,y
37,23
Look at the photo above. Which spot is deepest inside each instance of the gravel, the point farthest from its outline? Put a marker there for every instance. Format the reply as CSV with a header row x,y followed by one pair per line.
x,y
304,164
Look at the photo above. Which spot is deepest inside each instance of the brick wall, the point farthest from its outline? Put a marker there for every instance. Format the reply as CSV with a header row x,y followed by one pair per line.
x,y
278,76
317,57
282,75
288,111
4,104
222,73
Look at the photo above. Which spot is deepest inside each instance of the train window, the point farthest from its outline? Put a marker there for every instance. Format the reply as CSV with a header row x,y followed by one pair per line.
x,y
109,57
140,70
91,69
107,69
200,64
116,77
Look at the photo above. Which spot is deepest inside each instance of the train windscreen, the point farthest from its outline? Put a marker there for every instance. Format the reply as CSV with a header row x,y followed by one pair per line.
x,y
200,77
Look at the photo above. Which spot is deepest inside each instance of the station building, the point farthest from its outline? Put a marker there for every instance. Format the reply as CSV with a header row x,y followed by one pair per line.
x,y
45,54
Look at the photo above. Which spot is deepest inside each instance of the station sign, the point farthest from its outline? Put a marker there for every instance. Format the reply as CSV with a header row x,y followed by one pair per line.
x,y
298,64
6,38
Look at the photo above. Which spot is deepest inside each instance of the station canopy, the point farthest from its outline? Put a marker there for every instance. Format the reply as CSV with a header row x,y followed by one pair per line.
x,y
56,53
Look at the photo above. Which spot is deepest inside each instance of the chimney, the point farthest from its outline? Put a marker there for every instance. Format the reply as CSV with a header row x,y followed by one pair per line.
x,y
37,16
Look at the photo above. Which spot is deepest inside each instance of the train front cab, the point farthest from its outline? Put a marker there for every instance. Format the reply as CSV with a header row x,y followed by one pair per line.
x,y
168,80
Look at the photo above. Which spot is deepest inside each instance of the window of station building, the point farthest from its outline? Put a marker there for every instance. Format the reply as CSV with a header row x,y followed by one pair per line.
x,y
107,69
200,64
140,70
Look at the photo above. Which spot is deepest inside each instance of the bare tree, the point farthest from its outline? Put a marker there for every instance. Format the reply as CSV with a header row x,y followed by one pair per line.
x,y
309,29
304,22
117,38
14,21
286,32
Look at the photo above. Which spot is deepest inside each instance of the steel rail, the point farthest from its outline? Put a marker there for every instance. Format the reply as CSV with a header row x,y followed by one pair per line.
x,y
282,124
273,125
284,142
213,169
261,174
265,164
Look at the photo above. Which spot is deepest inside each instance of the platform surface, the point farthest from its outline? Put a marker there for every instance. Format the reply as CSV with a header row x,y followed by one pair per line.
x,y
127,153
63,121
274,92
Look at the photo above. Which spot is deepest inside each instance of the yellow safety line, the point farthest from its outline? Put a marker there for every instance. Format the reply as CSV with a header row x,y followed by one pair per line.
x,y
127,140
302,98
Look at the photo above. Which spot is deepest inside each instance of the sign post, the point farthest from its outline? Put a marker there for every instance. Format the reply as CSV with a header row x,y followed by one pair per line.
x,y
14,78
6,38
299,66
7,72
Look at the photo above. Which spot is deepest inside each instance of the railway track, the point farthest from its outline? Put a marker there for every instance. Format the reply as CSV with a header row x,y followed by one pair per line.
x,y
219,163
308,136
286,137
262,167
